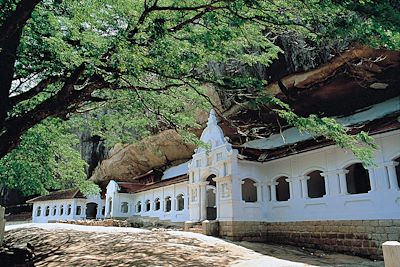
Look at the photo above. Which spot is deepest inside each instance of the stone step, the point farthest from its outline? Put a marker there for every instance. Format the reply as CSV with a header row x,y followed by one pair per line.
x,y
147,221
196,230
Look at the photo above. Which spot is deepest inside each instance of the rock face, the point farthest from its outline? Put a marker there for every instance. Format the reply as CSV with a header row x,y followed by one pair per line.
x,y
125,162
92,150
359,77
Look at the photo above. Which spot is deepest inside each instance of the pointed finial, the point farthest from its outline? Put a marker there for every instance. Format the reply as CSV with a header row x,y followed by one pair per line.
x,y
212,120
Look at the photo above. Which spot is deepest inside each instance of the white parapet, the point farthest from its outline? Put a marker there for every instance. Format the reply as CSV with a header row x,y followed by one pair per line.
x,y
391,253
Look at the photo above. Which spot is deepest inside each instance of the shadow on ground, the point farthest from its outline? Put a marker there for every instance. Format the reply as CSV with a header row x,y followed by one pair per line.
x,y
156,248
67,247
311,257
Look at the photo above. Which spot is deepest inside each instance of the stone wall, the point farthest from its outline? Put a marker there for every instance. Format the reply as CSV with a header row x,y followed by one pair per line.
x,y
108,222
358,237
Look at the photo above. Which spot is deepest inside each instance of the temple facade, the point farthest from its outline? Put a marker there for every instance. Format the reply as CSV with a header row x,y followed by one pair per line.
x,y
264,191
68,204
220,183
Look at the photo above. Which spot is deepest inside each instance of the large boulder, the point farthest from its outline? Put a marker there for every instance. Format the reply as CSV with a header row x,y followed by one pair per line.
x,y
128,161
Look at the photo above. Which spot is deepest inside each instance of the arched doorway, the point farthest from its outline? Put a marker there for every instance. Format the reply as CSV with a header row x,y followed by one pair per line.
x,y
211,205
91,210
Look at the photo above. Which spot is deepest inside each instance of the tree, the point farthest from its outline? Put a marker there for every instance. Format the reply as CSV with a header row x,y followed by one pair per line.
x,y
59,56
45,159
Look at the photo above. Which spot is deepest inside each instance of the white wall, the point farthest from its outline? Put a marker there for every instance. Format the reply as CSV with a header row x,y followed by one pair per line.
x,y
381,202
162,193
132,199
57,204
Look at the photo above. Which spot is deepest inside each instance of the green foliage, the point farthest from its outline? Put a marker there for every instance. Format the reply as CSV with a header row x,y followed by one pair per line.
x,y
130,116
154,65
46,159
361,144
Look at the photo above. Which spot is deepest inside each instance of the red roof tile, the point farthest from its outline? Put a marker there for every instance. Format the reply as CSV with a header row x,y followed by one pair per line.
x,y
126,187
61,194
162,183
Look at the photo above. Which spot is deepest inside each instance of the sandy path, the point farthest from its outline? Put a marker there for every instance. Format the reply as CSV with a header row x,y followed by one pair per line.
x,y
76,245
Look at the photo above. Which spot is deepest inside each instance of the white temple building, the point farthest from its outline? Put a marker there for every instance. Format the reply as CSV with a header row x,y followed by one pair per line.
x,y
262,185
327,183
66,205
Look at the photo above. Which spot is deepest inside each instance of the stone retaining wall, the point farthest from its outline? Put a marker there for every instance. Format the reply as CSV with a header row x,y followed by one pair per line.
x,y
363,238
107,222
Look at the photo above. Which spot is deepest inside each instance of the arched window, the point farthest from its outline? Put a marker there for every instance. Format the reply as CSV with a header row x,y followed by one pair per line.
x,y
47,212
249,190
168,204
54,210
357,179
69,209
148,205
398,170
139,206
316,185
78,210
103,210
157,204
282,189
61,210
180,201
38,211
124,207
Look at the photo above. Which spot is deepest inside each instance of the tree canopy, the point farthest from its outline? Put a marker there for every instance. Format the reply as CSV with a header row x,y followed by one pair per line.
x,y
151,59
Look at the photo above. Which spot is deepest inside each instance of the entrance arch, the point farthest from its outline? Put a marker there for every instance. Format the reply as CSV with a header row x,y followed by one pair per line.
x,y
211,204
91,210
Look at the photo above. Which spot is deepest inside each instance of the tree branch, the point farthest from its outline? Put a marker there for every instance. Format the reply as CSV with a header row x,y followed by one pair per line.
x,y
10,35
40,87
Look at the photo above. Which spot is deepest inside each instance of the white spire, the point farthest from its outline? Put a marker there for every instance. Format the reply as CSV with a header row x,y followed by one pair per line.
x,y
212,120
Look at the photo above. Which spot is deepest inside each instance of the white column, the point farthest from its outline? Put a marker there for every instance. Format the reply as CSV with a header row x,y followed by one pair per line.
x,y
372,181
273,190
259,192
73,208
98,213
391,170
304,188
294,187
331,183
107,210
217,198
342,181
203,209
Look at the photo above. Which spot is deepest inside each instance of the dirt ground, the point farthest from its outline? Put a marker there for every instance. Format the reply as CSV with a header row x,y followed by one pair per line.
x,y
67,245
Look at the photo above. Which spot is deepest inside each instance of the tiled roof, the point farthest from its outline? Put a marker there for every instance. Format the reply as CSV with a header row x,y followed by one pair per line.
x,y
143,175
61,194
126,187
175,171
162,183
389,123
